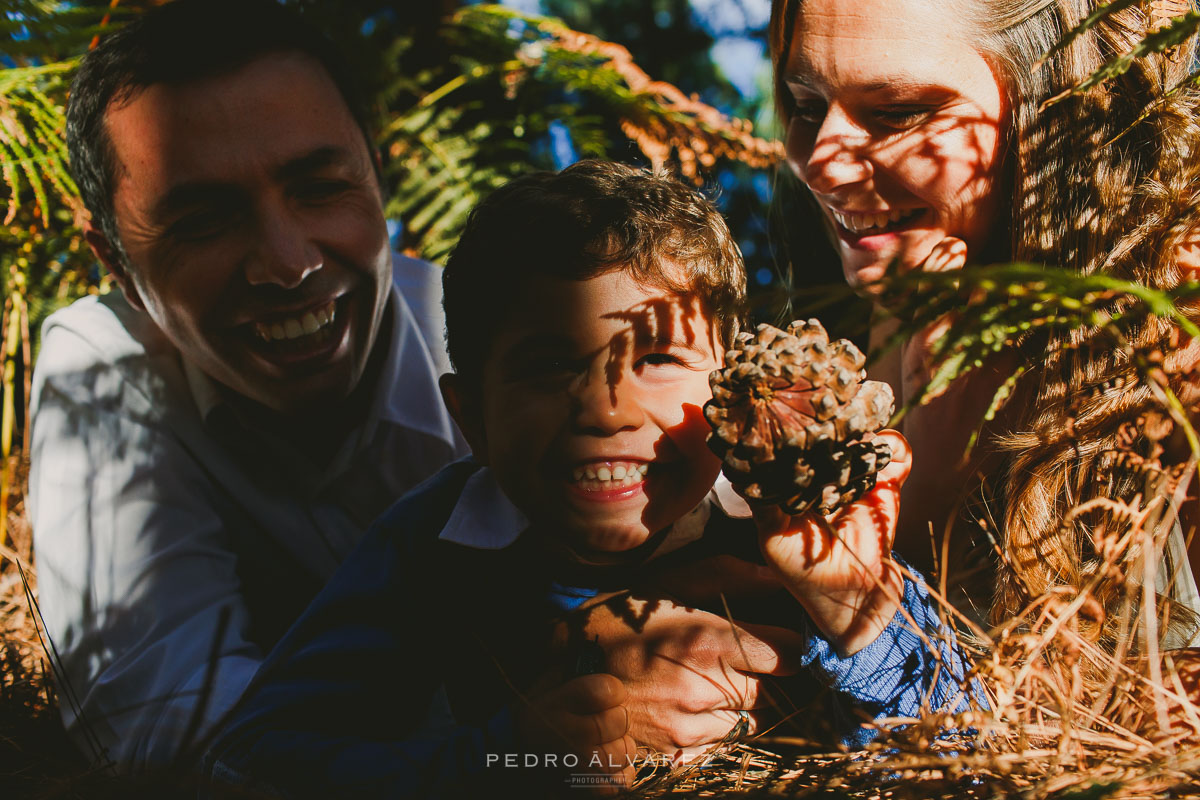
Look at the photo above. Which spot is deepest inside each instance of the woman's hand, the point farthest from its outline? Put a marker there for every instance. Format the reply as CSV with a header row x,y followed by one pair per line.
x,y
839,567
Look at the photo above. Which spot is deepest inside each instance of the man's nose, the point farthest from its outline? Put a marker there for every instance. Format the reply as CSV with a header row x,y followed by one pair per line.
x,y
285,253
606,402
840,154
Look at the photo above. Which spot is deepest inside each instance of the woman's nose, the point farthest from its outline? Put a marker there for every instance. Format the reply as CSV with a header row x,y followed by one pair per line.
x,y
606,402
838,154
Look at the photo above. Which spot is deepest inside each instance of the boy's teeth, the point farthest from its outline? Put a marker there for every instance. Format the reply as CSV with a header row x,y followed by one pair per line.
x,y
306,324
611,475
877,220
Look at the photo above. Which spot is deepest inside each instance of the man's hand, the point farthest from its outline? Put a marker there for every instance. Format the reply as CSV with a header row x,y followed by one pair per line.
x,y
585,717
687,672
839,567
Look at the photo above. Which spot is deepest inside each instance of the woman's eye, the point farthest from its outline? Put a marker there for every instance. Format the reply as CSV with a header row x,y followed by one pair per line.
x,y
811,111
903,116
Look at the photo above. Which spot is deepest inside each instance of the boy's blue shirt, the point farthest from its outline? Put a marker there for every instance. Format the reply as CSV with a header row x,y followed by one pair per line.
x,y
398,680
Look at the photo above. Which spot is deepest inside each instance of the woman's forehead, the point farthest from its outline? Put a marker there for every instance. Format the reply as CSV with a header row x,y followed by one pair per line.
x,y
904,40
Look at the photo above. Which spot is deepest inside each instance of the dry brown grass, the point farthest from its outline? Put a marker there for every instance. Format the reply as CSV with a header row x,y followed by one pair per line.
x,y
1066,719
35,754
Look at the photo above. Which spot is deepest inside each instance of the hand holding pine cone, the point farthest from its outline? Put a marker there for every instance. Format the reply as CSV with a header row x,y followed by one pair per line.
x,y
789,412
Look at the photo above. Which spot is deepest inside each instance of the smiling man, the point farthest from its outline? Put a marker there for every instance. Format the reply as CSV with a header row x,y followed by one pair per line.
x,y
211,441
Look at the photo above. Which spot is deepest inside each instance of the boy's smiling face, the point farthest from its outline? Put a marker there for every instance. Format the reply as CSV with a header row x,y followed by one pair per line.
x,y
589,408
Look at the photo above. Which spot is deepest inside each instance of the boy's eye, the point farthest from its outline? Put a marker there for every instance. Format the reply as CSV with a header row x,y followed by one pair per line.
x,y
656,360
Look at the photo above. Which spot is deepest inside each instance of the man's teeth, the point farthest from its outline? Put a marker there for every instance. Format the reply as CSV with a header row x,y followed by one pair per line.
x,y
611,475
307,323
858,223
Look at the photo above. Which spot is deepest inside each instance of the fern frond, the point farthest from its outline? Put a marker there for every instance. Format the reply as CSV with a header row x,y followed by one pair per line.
x,y
1172,35
460,130
1098,15
33,149
997,307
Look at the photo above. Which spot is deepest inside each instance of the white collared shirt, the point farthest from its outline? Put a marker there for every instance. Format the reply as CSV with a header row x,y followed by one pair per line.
x,y
160,521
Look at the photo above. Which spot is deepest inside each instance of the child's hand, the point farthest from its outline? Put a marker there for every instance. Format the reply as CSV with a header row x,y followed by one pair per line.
x,y
948,254
839,567
584,717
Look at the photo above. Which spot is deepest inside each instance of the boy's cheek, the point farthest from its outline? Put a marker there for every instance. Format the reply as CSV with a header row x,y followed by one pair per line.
x,y
690,436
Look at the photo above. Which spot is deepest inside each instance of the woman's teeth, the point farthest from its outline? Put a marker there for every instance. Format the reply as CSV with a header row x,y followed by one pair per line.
x,y
610,475
879,221
304,325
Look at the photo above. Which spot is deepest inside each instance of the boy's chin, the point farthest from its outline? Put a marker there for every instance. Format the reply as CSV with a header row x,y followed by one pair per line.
x,y
616,545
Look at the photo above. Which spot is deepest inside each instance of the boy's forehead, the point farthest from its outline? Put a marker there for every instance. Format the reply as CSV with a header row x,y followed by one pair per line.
x,y
608,304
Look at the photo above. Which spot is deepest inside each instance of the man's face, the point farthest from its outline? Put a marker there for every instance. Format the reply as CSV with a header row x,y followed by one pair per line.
x,y
589,411
252,220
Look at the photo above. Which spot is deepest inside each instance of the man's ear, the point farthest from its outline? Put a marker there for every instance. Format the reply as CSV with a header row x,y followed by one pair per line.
x,y
466,407
112,261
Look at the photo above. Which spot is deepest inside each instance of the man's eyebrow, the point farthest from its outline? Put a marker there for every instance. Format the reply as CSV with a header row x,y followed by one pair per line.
x,y
322,157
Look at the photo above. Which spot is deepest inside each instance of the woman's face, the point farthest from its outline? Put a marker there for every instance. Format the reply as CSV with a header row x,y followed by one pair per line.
x,y
896,129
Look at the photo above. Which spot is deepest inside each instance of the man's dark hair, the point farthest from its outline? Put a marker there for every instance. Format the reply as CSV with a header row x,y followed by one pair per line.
x,y
589,219
176,44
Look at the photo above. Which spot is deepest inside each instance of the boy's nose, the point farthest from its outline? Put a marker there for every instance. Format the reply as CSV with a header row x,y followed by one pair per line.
x,y
606,404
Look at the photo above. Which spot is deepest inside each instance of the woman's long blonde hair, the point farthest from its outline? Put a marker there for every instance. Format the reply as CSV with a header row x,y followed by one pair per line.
x,y
1102,182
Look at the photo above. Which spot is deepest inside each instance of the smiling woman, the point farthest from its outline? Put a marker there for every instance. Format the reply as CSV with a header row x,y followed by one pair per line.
x,y
894,125
922,129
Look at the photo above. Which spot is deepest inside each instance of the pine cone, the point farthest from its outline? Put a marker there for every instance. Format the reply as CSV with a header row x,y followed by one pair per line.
x,y
789,411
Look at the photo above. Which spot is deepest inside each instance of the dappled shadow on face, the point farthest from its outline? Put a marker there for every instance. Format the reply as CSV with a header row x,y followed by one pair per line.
x,y
657,322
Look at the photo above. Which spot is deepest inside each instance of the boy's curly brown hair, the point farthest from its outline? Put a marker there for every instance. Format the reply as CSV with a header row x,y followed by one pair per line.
x,y
591,218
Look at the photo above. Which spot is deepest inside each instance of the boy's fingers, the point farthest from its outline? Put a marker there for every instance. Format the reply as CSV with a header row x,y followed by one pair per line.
x,y
900,464
872,518
763,649
590,694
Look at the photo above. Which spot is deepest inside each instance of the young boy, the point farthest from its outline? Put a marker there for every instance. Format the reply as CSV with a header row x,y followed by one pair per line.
x,y
585,311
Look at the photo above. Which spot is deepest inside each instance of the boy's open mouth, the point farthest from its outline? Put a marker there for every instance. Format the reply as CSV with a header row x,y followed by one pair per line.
x,y
607,476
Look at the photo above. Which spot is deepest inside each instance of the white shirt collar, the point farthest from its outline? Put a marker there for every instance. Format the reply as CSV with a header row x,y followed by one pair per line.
x,y
485,519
